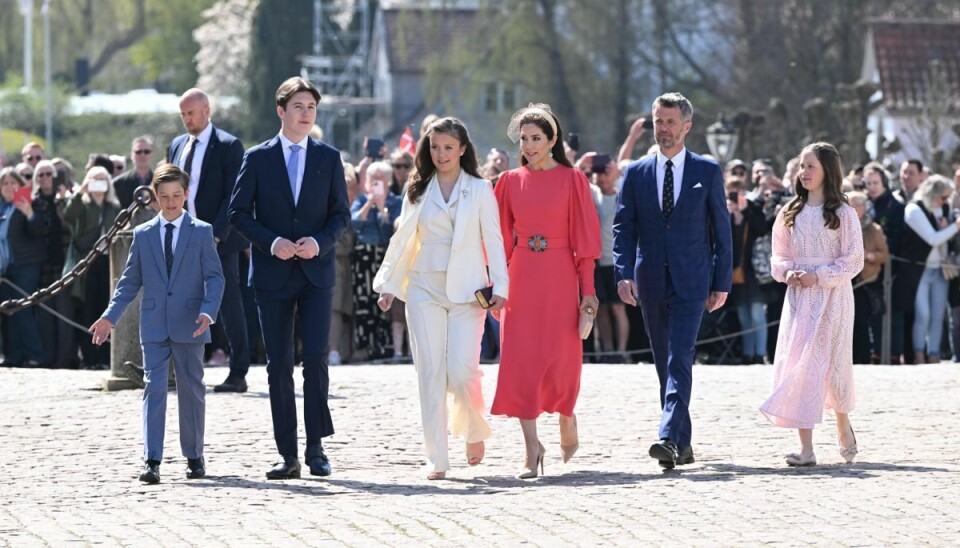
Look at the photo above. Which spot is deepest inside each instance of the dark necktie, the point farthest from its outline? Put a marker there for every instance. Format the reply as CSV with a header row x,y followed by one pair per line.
x,y
168,247
667,205
188,163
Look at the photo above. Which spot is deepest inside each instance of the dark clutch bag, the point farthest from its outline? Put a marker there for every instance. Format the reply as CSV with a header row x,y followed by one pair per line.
x,y
484,296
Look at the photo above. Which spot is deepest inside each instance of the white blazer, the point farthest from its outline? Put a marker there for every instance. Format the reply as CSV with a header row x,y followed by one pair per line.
x,y
476,228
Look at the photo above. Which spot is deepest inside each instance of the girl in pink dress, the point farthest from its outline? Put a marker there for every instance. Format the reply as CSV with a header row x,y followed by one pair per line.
x,y
817,250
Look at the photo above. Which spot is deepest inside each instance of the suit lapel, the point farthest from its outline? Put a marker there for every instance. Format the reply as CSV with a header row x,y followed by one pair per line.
x,y
210,151
466,199
153,242
310,166
277,153
186,232
175,147
688,179
649,195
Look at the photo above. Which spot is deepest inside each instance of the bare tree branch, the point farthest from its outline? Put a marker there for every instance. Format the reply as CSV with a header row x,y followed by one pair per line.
x,y
122,42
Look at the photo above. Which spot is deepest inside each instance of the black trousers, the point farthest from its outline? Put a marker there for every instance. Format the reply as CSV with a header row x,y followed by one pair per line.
x,y
232,315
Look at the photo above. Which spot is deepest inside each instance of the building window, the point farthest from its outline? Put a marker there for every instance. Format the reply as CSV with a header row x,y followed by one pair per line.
x,y
499,97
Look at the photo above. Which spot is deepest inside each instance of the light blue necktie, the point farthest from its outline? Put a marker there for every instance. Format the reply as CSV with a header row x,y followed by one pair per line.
x,y
292,164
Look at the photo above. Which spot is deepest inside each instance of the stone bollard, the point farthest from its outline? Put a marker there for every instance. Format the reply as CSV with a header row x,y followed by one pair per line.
x,y
125,340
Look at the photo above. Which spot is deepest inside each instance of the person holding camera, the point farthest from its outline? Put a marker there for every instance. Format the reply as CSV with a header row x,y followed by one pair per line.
x,y
437,260
373,214
90,213
748,224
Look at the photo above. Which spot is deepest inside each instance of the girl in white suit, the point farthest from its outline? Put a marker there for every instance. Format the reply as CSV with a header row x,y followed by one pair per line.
x,y
438,258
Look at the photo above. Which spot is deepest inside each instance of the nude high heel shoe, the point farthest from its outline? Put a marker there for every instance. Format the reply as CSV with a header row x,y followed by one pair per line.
x,y
530,473
571,449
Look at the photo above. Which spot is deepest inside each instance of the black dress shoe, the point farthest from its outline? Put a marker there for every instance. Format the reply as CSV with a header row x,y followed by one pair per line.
x,y
665,451
151,472
133,373
288,469
686,456
196,468
318,462
232,384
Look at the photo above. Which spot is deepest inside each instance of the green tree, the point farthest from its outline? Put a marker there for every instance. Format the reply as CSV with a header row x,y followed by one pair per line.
x,y
282,32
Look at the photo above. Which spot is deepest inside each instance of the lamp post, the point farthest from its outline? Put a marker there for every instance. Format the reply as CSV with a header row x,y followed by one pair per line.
x,y
48,99
26,8
722,138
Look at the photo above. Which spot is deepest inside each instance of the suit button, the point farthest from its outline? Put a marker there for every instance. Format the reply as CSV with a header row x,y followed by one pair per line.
x,y
668,226
170,294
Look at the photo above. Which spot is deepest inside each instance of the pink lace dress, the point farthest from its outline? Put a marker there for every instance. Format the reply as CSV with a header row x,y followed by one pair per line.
x,y
814,358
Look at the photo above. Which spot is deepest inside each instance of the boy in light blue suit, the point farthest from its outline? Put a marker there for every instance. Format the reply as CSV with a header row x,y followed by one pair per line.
x,y
174,260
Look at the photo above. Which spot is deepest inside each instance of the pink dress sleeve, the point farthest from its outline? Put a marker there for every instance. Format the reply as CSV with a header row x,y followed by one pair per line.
x,y
584,232
850,261
781,250
501,191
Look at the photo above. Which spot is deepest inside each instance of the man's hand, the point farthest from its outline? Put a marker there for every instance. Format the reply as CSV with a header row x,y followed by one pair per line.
x,y
101,330
497,303
627,290
307,248
204,323
385,301
716,300
284,249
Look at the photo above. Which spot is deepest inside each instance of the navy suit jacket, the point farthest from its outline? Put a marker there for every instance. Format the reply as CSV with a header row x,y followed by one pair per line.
x,y
171,304
218,175
262,209
694,241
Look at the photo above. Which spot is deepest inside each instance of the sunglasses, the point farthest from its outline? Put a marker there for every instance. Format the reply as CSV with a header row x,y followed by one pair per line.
x,y
44,174
402,166
148,151
33,158
27,176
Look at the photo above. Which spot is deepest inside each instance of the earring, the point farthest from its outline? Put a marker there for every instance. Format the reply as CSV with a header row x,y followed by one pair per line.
x,y
550,154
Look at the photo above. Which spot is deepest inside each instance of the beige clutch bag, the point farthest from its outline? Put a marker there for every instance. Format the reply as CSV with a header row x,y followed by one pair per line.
x,y
586,324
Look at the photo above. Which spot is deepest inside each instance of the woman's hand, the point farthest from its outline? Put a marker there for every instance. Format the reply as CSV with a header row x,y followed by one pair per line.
x,y
25,207
496,305
385,301
808,279
589,304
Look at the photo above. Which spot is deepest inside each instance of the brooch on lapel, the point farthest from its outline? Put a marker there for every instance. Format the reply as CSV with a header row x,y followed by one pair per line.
x,y
465,192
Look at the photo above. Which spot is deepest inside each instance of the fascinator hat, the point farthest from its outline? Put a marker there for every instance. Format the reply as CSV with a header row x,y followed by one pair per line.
x,y
531,113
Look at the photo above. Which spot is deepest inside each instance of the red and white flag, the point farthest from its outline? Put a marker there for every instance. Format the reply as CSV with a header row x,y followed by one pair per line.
x,y
407,144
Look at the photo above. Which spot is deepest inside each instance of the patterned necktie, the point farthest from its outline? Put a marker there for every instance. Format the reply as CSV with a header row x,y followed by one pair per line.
x,y
292,164
188,163
168,247
667,205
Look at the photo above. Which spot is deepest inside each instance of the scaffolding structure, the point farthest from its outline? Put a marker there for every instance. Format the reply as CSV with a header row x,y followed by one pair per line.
x,y
339,66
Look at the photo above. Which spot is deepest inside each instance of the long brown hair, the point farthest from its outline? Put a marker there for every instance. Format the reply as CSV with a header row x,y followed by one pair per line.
x,y
423,165
833,197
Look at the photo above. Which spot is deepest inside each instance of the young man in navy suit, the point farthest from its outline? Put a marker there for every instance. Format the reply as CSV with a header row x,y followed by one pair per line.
x,y
174,260
290,201
671,248
211,157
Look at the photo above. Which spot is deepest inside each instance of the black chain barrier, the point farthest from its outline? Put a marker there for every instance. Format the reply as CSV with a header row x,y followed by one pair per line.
x,y
142,197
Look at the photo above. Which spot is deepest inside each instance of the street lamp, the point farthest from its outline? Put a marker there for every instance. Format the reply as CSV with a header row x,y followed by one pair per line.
x,y
26,8
722,138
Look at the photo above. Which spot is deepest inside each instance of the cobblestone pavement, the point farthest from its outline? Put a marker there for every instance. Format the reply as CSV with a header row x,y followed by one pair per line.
x,y
69,457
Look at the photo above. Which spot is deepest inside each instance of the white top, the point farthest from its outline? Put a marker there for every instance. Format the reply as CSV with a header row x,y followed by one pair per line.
x,y
606,205
916,220
678,161
196,164
435,229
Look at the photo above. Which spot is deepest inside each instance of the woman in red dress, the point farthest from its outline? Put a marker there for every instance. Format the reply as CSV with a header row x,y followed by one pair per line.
x,y
552,237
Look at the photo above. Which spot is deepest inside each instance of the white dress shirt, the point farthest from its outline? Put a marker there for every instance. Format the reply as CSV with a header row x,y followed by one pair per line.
x,y
177,223
202,141
678,161
301,167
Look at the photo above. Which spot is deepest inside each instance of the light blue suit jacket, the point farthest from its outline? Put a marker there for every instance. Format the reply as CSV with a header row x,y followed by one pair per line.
x,y
170,305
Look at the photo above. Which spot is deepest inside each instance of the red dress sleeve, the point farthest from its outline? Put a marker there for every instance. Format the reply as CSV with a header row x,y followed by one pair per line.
x,y
501,191
584,231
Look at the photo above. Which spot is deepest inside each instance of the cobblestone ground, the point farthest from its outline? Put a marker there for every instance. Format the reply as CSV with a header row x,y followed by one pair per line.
x,y
70,454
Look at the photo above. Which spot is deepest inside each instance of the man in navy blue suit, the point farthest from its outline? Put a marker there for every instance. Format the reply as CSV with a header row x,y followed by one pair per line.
x,y
671,248
290,201
211,157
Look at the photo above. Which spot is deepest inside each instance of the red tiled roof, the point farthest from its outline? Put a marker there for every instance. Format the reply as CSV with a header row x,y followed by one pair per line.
x,y
904,50
415,35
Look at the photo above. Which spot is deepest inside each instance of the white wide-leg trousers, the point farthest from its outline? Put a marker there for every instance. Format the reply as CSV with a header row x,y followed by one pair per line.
x,y
445,343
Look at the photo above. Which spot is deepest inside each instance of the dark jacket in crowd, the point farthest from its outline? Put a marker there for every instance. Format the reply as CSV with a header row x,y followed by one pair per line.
x,y
28,237
888,213
45,207
753,226
126,183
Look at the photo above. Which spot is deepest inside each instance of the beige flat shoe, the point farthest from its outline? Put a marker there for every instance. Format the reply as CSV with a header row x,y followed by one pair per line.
x,y
795,459
436,475
474,457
